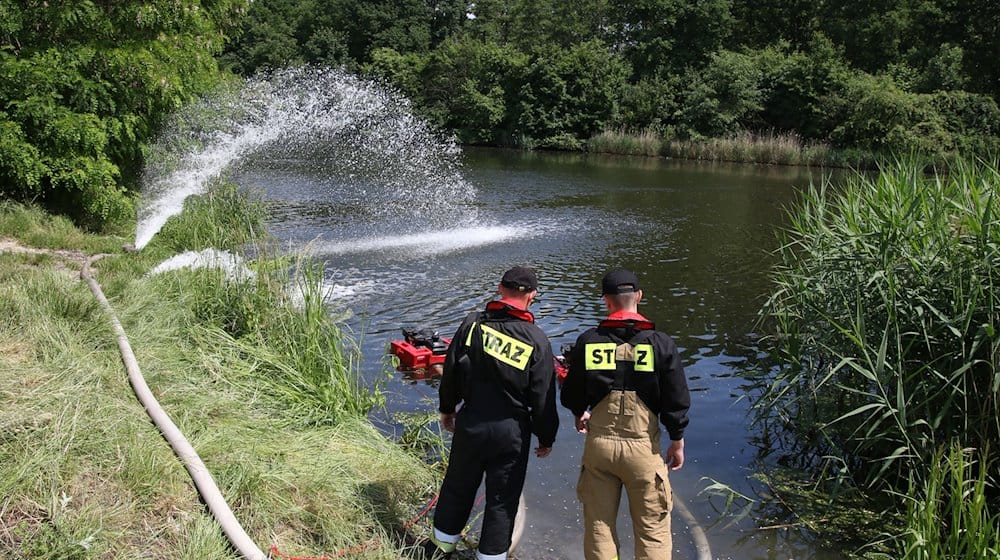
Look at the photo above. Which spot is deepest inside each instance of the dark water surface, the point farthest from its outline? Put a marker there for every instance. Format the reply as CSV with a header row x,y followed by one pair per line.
x,y
698,235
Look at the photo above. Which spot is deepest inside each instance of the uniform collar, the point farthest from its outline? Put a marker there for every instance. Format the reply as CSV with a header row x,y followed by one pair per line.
x,y
626,316
506,307
627,320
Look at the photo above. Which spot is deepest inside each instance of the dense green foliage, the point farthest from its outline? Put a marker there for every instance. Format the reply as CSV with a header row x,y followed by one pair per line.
x,y
83,88
85,85
887,312
897,75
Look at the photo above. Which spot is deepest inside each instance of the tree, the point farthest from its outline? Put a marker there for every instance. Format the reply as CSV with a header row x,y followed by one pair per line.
x,y
530,24
470,86
570,94
668,36
762,23
84,85
724,97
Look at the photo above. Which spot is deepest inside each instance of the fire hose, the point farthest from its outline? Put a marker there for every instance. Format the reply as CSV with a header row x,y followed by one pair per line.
x,y
202,478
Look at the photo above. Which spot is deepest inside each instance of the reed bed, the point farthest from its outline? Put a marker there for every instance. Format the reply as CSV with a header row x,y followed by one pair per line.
x,y
645,143
886,310
747,147
743,147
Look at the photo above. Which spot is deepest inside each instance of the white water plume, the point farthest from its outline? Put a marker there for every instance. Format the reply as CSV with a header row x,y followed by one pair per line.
x,y
428,243
360,131
232,265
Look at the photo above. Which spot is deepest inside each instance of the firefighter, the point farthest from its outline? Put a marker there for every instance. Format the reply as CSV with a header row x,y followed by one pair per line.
x,y
498,376
625,379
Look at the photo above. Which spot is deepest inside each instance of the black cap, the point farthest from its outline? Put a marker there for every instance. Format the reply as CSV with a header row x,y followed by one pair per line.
x,y
619,282
520,278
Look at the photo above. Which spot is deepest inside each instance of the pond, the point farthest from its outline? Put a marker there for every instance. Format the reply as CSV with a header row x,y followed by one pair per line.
x,y
700,237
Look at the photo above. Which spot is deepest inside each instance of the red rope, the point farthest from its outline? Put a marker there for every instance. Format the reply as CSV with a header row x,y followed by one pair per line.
x,y
367,545
422,513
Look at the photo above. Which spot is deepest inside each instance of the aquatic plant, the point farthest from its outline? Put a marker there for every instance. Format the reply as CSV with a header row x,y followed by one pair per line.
x,y
645,143
885,311
784,149
947,513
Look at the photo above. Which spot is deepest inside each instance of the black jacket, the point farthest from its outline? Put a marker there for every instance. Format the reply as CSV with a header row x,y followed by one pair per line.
x,y
653,371
500,365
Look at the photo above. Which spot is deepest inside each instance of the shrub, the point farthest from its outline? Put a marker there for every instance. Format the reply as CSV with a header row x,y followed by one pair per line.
x,y
571,92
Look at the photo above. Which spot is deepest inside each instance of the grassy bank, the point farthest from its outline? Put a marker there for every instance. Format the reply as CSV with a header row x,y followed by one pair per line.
x,y
779,149
257,376
886,312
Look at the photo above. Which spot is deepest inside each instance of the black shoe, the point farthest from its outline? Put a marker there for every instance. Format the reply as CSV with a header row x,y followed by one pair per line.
x,y
432,551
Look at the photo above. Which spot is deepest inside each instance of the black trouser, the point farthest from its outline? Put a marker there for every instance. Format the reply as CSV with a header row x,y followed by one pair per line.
x,y
497,448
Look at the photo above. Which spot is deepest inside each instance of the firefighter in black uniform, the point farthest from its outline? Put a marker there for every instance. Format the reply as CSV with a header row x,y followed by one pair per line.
x,y
498,375
625,378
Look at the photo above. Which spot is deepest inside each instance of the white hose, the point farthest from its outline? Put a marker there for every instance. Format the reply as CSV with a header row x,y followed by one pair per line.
x,y
704,552
192,462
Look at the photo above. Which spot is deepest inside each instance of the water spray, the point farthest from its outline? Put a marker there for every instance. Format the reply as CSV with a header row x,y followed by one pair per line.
x,y
371,145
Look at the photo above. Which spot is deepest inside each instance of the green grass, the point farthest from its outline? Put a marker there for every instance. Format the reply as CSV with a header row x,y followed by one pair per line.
x,y
885,313
35,228
948,515
265,386
645,143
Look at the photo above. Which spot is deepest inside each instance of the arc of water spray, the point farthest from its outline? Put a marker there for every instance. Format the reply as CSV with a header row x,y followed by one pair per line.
x,y
296,114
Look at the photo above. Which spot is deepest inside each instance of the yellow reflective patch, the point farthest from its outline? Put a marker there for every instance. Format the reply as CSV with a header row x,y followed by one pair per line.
x,y
468,337
507,349
644,358
600,355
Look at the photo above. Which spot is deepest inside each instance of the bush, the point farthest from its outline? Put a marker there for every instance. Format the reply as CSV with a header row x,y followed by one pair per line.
x,y
878,116
85,86
468,86
649,104
571,93
725,97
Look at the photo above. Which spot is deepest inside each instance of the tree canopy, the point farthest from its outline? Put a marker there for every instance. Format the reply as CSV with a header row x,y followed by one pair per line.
x,y
85,85
550,73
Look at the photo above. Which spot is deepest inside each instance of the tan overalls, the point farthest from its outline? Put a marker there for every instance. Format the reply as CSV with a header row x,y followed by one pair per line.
x,y
623,449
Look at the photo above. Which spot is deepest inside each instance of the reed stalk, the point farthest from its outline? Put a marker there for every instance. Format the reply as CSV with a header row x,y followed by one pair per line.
x,y
947,513
748,147
622,142
886,311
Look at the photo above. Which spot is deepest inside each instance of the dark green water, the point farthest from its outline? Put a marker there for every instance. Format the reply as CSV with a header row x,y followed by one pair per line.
x,y
700,236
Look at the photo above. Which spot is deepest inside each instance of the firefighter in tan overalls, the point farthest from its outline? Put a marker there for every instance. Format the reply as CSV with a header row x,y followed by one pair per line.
x,y
625,378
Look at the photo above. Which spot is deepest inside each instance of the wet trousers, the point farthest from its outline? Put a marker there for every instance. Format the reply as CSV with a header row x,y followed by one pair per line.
x,y
623,450
498,449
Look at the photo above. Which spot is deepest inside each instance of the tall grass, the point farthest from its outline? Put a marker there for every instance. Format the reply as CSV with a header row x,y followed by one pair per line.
x,y
782,149
886,308
947,513
34,227
259,377
645,143
743,147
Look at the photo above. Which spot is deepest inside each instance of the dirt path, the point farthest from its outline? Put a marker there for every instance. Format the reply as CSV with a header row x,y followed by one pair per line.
x,y
64,257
